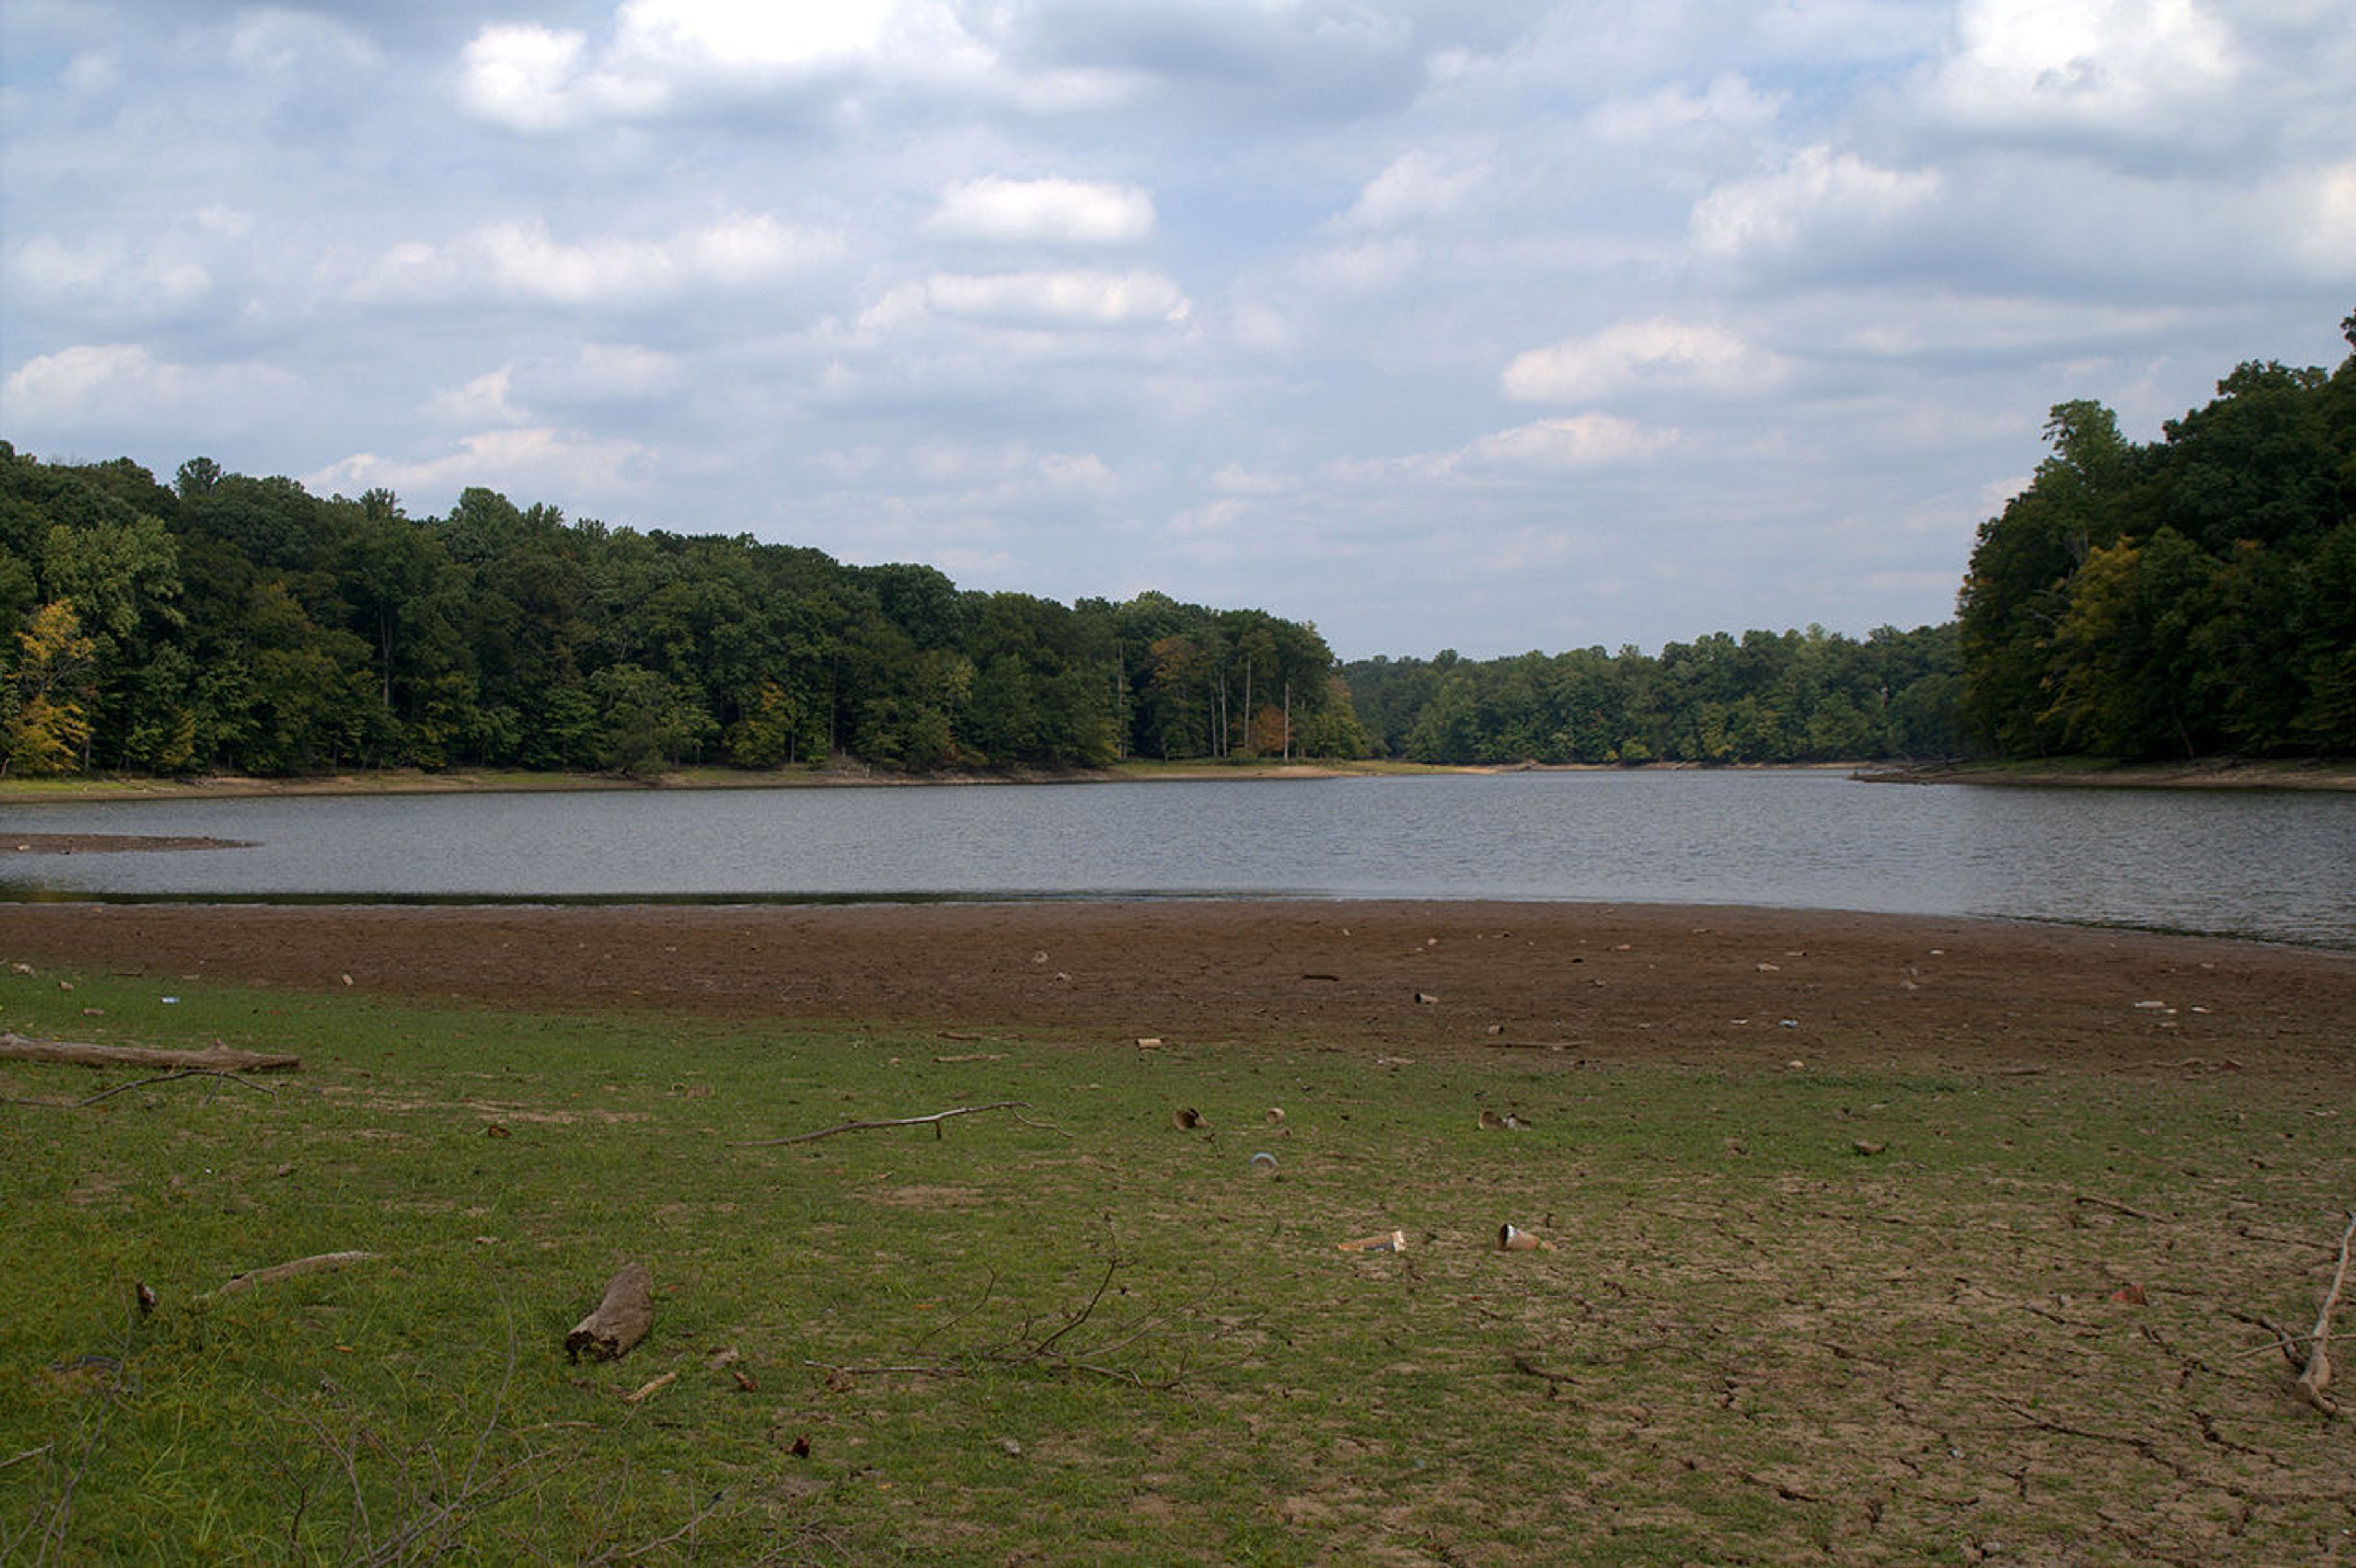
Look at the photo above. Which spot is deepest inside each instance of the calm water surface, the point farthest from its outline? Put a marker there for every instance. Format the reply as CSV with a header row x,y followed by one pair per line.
x,y
2276,865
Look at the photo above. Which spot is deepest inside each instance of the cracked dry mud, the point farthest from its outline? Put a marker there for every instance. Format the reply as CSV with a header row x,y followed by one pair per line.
x,y
1864,1376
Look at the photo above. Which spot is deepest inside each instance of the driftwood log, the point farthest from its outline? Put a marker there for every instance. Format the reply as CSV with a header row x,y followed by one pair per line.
x,y
621,1319
217,1057
319,1262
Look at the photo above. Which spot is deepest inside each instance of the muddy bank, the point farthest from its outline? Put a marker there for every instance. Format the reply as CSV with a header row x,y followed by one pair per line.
x,y
1552,984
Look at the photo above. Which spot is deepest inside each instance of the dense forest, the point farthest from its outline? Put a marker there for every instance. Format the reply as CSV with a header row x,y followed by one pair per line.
x,y
1770,697
228,624
2192,596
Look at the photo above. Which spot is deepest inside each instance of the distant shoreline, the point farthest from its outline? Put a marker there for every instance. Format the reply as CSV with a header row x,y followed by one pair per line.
x,y
2211,772
2204,773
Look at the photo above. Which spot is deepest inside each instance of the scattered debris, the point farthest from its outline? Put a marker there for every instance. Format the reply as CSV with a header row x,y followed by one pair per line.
x,y
1869,1150
1263,1163
1273,1116
2129,1295
1511,1238
1149,1042
1186,1119
621,1321
1491,1122
1391,1242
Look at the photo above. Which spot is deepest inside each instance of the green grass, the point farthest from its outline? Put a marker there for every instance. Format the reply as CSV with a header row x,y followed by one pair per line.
x,y
1750,1342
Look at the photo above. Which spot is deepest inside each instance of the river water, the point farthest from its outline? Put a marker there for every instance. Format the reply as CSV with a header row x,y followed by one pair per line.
x,y
2276,865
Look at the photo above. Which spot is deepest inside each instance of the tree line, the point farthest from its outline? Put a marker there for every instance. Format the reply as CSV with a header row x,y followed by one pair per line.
x,y
1769,697
2189,596
2185,597
231,624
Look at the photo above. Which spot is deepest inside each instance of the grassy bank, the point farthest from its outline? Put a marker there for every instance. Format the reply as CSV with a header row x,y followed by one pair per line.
x,y
1783,1315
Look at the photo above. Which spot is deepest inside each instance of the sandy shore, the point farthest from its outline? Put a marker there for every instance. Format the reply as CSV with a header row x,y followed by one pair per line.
x,y
1551,984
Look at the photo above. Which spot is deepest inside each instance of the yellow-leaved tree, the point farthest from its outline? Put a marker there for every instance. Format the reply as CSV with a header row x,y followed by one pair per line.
x,y
45,731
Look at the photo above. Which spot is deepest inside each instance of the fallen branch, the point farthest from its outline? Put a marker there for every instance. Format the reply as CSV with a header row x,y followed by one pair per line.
x,y
2316,1378
933,1121
140,1084
20,1047
319,1262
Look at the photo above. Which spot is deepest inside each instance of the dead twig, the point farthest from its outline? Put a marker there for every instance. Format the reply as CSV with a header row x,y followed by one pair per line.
x,y
934,1121
2122,1208
144,1082
2313,1382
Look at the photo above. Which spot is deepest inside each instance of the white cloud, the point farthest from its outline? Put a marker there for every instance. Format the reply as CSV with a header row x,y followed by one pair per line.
x,y
1661,353
483,401
1059,299
620,371
111,386
107,277
271,39
2323,220
1044,211
1818,193
1582,441
536,459
670,56
2147,67
1730,103
1420,184
751,34
1365,269
530,78
521,256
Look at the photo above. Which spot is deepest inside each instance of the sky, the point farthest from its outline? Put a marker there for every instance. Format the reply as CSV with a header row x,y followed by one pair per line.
x,y
1442,324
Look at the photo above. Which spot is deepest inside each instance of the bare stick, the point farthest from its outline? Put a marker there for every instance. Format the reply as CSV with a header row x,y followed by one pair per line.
x,y
933,1121
319,1262
171,1078
2316,1378
2121,1209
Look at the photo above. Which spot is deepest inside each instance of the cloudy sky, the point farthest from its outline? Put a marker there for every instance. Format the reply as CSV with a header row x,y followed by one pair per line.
x,y
1440,323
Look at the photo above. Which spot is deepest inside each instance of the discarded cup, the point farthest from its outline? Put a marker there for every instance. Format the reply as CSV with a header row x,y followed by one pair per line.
x,y
1185,1118
1514,1238
1395,1241
1262,1163
1274,1117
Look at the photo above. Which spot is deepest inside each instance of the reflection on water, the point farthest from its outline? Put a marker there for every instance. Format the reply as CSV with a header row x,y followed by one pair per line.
x,y
2265,864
